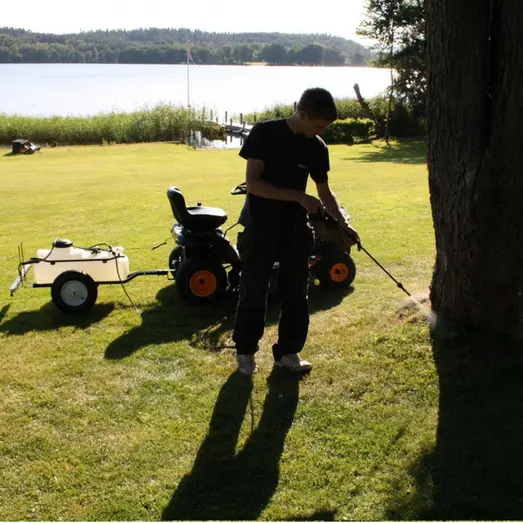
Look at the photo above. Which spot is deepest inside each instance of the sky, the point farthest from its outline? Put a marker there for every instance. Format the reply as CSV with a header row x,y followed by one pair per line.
x,y
335,17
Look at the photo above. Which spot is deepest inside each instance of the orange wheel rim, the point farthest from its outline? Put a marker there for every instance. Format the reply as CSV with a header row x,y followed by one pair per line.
x,y
202,283
339,272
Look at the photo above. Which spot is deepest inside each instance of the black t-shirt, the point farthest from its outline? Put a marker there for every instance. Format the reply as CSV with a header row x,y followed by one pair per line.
x,y
289,159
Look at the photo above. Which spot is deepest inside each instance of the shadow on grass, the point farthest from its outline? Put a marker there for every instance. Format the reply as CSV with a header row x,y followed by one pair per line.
x,y
320,515
204,326
410,151
225,485
49,317
4,311
475,470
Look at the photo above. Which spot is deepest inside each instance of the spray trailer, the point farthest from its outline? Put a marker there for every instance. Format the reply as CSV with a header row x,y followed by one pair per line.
x,y
73,273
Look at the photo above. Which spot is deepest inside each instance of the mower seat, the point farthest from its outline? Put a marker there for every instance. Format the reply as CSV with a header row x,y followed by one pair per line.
x,y
197,218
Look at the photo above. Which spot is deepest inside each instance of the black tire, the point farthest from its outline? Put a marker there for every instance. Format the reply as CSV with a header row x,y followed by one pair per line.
x,y
201,280
336,269
74,292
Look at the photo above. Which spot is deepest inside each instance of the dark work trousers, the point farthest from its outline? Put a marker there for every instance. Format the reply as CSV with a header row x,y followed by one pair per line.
x,y
258,252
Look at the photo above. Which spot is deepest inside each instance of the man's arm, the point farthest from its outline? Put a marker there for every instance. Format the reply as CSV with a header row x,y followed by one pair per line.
x,y
259,187
332,206
329,201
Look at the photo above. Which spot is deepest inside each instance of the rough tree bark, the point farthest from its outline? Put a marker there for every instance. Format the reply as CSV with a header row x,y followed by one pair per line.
x,y
475,109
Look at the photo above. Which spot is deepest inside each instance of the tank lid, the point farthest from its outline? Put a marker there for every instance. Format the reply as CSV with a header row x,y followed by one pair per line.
x,y
61,243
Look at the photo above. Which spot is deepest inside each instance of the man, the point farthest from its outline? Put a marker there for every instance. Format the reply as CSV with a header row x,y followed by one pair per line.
x,y
280,156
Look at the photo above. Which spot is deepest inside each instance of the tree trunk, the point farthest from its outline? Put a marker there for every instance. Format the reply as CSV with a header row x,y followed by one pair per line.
x,y
475,106
367,112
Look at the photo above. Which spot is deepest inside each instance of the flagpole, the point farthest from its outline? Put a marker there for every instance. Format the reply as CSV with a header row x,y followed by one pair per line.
x,y
188,105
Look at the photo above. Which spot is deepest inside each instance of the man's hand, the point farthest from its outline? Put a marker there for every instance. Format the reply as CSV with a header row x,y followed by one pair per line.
x,y
311,204
352,232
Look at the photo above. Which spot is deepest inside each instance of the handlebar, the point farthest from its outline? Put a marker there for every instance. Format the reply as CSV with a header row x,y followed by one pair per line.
x,y
240,189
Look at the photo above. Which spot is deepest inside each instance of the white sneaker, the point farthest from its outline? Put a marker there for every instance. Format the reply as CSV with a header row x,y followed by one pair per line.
x,y
246,364
294,363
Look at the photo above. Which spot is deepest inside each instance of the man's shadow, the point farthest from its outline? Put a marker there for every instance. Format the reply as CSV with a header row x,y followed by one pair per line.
x,y
206,327
223,485
170,322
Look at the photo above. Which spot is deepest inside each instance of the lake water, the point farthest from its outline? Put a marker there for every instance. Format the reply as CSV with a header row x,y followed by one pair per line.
x,y
86,89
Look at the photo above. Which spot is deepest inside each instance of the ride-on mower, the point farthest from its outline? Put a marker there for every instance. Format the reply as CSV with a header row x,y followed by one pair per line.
x,y
203,253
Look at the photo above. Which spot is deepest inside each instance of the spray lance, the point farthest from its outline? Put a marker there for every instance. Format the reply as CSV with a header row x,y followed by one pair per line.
x,y
329,216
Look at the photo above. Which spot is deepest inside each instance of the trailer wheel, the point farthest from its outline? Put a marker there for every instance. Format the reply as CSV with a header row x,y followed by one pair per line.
x,y
201,280
74,292
336,269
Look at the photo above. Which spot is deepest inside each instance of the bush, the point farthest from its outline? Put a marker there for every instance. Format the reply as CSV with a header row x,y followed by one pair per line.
x,y
402,124
348,108
270,113
349,131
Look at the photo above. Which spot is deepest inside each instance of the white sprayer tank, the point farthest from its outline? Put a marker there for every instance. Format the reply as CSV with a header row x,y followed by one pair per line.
x,y
101,265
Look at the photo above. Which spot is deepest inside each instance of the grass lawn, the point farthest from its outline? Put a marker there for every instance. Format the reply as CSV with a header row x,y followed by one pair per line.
x,y
116,415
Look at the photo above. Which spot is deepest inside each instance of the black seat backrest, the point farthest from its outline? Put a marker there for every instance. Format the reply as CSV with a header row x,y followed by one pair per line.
x,y
197,218
178,206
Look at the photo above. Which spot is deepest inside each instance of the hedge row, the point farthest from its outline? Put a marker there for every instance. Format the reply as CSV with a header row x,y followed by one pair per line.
x,y
349,131
402,124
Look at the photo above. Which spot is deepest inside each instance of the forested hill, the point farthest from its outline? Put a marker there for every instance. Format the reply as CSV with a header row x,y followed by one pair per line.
x,y
157,46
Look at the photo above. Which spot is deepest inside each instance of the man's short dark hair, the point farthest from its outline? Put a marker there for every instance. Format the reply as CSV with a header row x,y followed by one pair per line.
x,y
318,103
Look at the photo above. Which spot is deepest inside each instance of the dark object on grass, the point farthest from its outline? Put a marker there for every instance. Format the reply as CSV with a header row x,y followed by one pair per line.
x,y
24,147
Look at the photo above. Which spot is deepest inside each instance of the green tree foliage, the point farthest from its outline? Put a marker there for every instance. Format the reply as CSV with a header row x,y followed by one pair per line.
x,y
400,25
333,56
274,54
170,46
311,54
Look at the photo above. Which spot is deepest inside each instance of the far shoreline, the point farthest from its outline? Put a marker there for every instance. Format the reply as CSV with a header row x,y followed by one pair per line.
x,y
255,64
